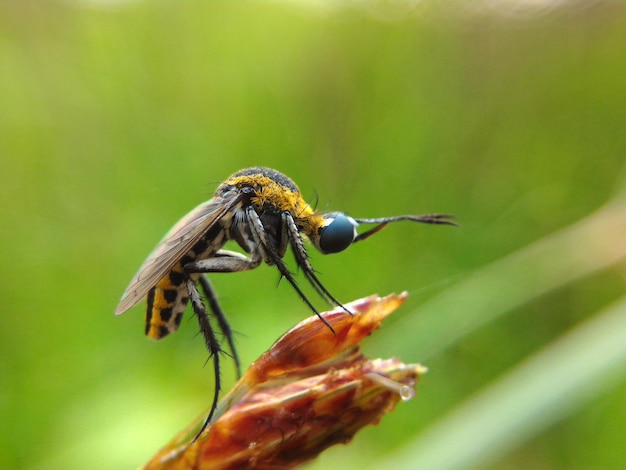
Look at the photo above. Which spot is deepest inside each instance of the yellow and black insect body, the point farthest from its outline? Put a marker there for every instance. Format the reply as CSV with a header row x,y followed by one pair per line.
x,y
263,211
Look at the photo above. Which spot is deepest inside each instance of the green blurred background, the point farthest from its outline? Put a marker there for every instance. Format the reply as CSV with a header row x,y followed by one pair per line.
x,y
116,119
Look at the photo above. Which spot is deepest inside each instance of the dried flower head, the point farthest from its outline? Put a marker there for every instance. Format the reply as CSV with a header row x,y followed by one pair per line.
x,y
312,389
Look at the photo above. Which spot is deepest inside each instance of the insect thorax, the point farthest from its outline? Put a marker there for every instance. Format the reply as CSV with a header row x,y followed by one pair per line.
x,y
271,194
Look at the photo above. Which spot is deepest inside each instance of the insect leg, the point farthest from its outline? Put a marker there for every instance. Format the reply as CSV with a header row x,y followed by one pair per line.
x,y
302,259
224,261
211,297
211,342
272,256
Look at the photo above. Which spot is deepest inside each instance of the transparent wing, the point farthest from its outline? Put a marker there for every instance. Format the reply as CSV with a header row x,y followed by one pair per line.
x,y
176,243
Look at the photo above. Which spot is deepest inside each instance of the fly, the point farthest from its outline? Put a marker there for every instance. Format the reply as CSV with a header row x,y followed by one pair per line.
x,y
263,211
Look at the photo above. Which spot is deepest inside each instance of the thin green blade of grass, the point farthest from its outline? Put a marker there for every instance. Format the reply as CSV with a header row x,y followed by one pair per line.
x,y
550,385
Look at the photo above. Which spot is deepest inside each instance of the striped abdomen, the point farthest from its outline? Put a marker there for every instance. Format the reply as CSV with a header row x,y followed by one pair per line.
x,y
168,299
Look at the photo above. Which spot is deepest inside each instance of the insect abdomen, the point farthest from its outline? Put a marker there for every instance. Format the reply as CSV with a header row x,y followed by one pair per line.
x,y
168,299
166,303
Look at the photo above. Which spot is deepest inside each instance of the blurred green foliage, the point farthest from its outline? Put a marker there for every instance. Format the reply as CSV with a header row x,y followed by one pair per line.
x,y
116,119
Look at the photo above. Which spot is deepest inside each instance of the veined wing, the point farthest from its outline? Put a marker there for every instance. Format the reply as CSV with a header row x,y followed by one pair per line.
x,y
176,243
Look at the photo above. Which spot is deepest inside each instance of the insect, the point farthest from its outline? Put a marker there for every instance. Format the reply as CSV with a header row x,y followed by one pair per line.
x,y
263,211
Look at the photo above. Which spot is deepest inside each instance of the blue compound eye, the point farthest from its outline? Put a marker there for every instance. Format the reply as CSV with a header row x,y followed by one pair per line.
x,y
338,234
